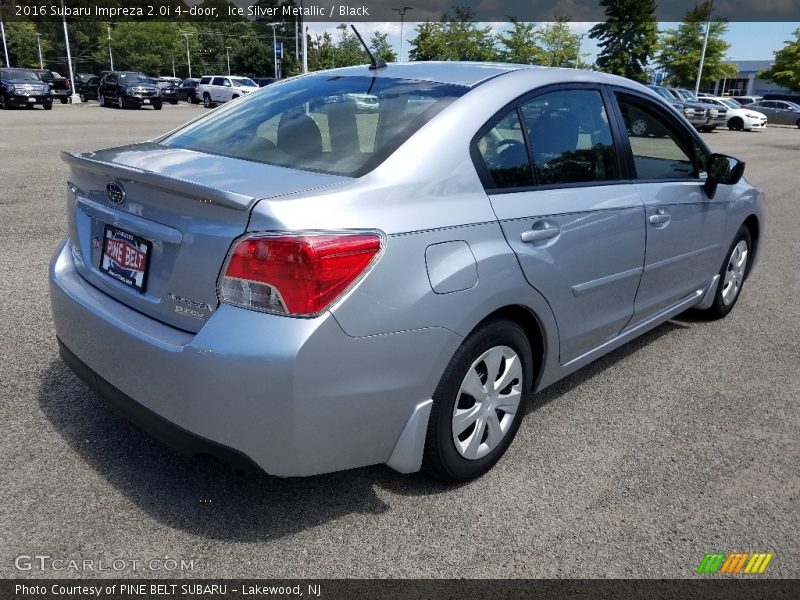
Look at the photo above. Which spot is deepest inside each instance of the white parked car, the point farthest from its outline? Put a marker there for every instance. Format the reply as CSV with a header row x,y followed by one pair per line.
x,y
740,117
216,89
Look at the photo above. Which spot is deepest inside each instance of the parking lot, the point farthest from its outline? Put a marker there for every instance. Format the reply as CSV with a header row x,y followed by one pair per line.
x,y
683,442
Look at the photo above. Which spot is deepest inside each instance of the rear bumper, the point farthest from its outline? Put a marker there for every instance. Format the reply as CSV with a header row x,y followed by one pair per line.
x,y
293,396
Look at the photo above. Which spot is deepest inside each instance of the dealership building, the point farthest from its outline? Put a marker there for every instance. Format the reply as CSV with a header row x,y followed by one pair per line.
x,y
747,82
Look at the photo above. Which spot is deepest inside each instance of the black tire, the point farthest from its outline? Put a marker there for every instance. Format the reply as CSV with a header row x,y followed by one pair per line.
x,y
207,101
720,308
441,459
157,106
707,129
101,100
63,100
48,106
82,97
173,102
736,124
798,123
3,103
120,102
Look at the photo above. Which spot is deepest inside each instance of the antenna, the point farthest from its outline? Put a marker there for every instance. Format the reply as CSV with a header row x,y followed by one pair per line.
x,y
376,64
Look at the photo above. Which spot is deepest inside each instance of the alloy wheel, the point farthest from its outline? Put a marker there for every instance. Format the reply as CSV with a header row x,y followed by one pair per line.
x,y
639,127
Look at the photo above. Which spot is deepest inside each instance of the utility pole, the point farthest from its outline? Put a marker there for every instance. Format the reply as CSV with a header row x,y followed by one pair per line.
x,y
173,64
188,57
110,54
578,55
228,56
296,39
5,47
402,12
39,44
703,53
74,98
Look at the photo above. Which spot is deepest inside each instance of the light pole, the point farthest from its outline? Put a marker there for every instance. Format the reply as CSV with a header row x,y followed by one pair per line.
x,y
703,52
228,56
274,49
578,54
188,57
39,44
5,47
402,12
74,98
110,54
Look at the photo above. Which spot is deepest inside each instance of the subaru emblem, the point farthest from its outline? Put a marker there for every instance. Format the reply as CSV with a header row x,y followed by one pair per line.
x,y
115,192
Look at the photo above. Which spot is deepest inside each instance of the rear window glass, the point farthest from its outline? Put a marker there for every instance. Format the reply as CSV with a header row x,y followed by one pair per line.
x,y
330,124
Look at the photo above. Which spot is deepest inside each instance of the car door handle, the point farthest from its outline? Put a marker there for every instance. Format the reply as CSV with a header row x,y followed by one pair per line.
x,y
540,234
659,218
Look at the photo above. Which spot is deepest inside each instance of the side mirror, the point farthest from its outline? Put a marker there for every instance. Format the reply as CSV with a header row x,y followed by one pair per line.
x,y
722,170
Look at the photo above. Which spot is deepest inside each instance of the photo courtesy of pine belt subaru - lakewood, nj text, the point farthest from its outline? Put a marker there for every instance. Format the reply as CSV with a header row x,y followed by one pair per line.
x,y
300,286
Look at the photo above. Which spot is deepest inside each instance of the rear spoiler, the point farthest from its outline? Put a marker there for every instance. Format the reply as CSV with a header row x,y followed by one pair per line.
x,y
189,189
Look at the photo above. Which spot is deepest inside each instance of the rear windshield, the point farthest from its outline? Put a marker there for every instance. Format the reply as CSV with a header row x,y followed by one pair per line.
x,y
319,122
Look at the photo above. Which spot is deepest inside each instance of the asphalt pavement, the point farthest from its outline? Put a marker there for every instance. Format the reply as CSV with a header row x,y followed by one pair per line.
x,y
683,442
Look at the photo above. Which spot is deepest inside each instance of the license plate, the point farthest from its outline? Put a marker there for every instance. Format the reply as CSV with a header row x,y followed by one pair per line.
x,y
145,101
125,257
31,99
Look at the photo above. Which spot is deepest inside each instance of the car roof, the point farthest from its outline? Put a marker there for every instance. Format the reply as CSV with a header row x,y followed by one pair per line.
x,y
468,74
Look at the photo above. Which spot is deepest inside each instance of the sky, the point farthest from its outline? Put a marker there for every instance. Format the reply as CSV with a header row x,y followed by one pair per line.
x,y
749,41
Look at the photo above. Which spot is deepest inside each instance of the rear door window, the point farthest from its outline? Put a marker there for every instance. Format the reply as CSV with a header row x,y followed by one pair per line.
x,y
504,153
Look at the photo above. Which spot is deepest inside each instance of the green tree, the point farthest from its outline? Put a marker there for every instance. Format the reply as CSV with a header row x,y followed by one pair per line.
x,y
560,47
519,44
429,43
22,48
148,47
321,52
349,50
455,37
628,38
381,48
680,50
786,70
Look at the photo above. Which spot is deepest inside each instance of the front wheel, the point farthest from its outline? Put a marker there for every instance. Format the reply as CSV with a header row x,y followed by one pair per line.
x,y
736,124
157,106
3,103
479,403
63,100
732,275
48,106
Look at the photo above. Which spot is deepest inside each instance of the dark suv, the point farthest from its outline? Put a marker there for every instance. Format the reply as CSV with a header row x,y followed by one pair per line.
x,y
125,89
21,87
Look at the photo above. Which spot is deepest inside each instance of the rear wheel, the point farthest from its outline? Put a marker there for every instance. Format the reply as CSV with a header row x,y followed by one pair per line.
x,y
479,402
732,275
48,106
798,123
736,124
63,100
120,102
157,106
206,100
640,127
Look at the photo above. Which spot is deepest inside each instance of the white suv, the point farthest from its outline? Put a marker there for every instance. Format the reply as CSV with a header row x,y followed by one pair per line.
x,y
216,89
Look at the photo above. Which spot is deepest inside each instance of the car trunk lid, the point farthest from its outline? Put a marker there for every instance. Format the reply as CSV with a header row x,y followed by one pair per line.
x,y
152,226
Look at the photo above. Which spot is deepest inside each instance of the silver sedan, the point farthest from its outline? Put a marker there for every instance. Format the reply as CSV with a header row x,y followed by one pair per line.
x,y
300,286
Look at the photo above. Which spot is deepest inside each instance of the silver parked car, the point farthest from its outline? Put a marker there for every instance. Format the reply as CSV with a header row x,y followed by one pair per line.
x,y
779,112
302,287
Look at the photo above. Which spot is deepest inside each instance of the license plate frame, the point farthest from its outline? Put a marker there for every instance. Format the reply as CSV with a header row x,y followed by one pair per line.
x,y
133,251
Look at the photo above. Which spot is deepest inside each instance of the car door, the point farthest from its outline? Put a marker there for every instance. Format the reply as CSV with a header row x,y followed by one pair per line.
x,y
551,170
217,89
109,86
685,227
787,114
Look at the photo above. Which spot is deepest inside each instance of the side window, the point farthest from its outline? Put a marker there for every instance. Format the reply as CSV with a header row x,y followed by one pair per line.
x,y
218,81
111,79
226,82
504,153
205,80
570,137
660,149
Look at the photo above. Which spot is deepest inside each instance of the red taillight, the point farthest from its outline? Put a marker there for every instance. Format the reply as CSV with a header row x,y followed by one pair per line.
x,y
295,274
